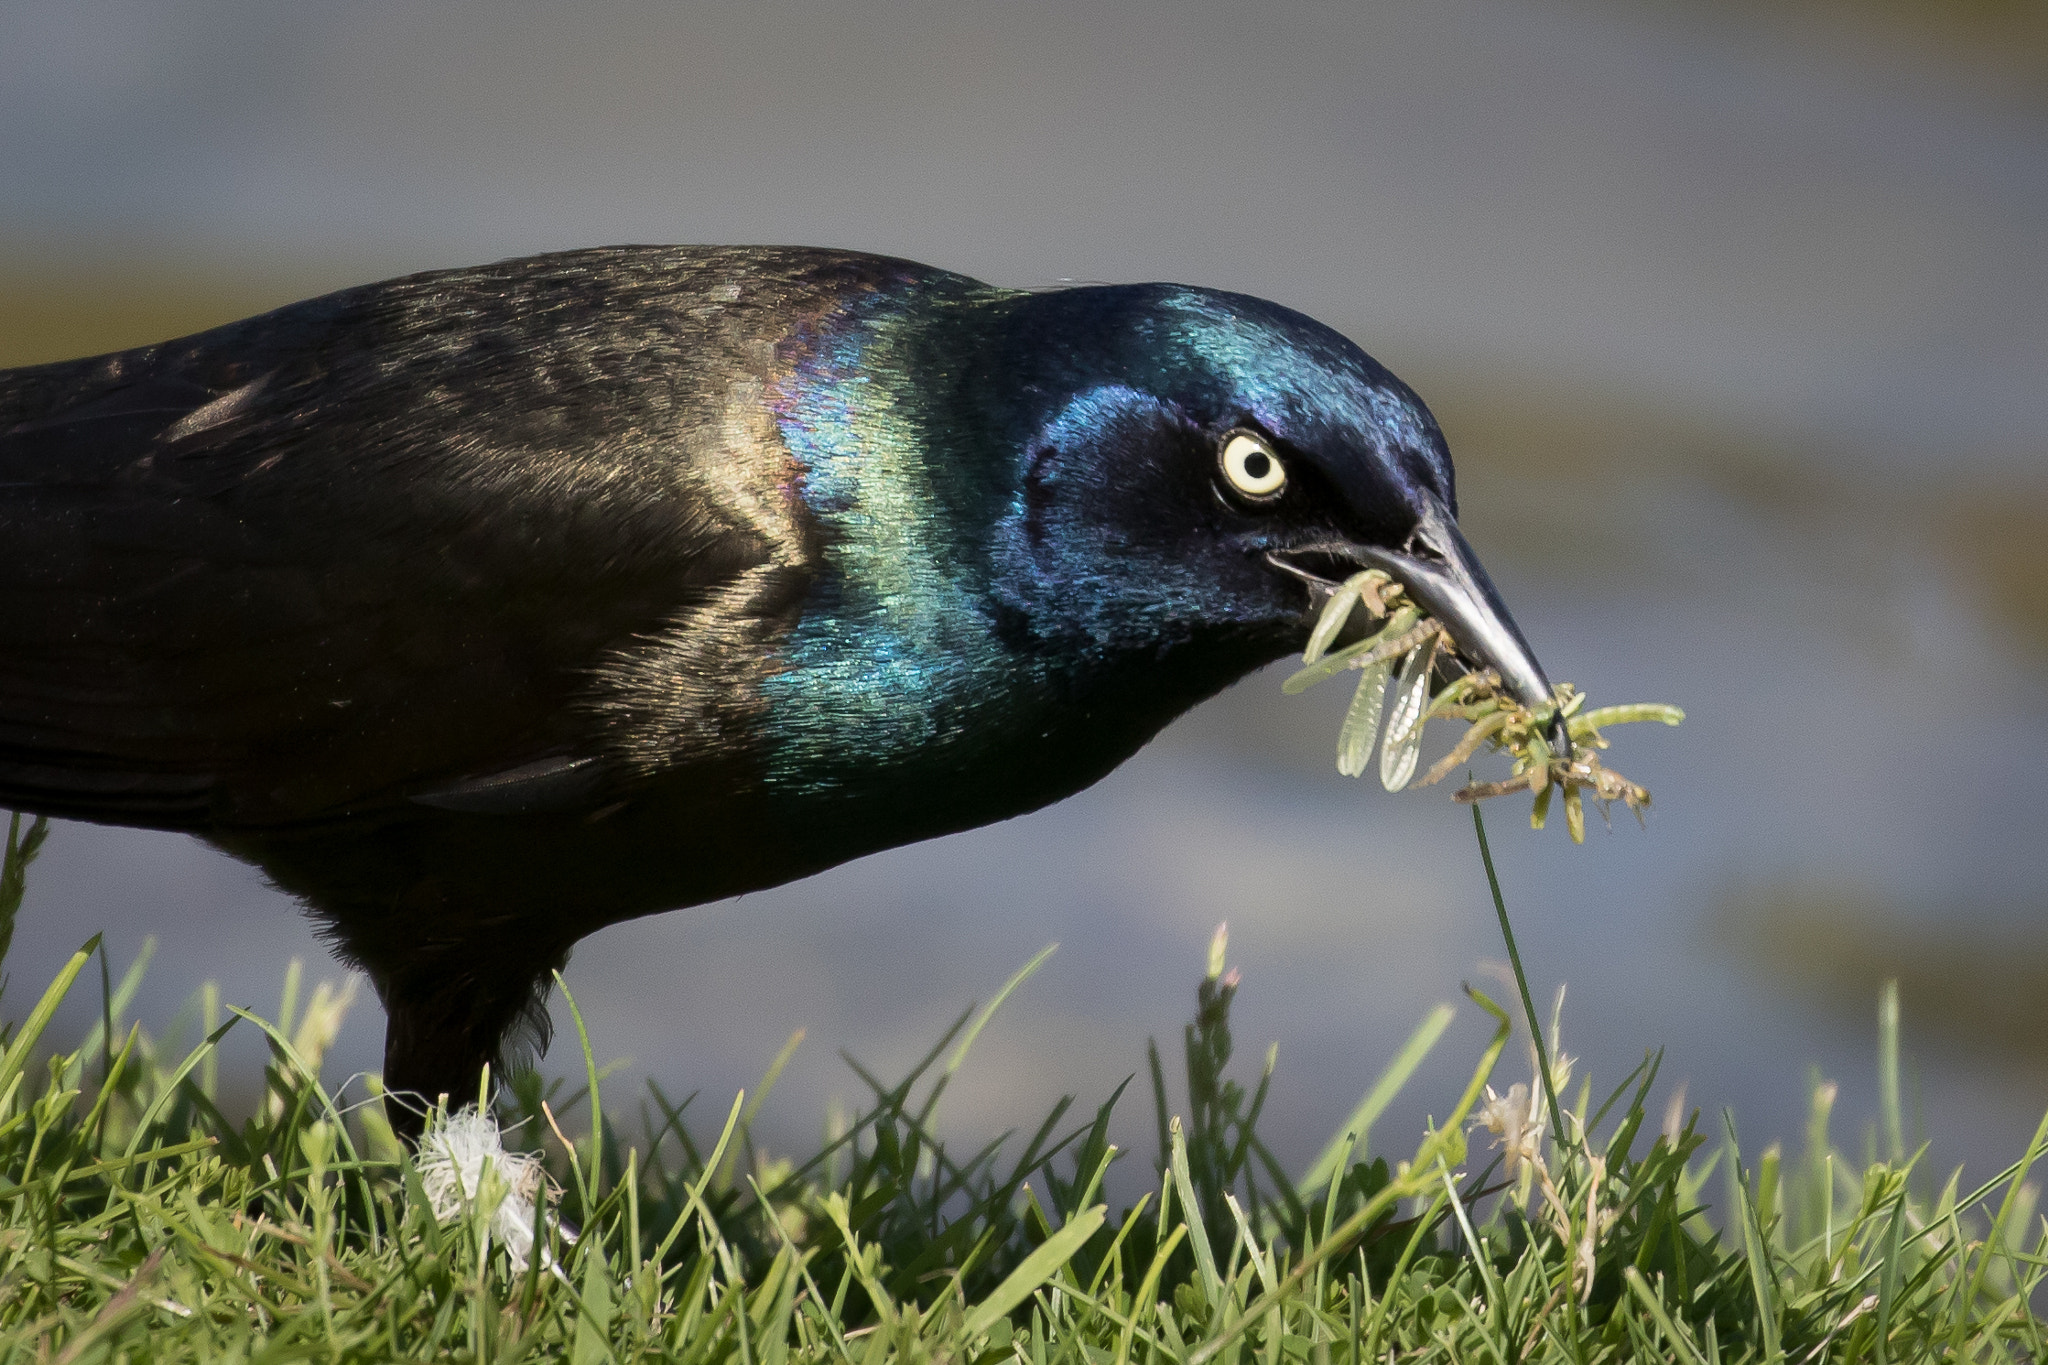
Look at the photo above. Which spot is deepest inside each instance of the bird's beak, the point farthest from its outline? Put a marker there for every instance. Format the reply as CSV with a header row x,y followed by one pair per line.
x,y
1444,577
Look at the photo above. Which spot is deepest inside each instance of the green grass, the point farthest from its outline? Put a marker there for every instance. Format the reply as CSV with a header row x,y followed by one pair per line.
x,y
138,1221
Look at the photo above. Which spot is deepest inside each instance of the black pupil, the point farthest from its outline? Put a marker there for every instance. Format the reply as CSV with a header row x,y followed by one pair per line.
x,y
1256,465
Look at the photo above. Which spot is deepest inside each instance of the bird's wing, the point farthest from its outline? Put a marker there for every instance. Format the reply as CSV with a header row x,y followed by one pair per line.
x,y
372,549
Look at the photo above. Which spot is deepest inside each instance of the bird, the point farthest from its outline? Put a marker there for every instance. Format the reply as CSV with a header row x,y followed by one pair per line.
x,y
483,608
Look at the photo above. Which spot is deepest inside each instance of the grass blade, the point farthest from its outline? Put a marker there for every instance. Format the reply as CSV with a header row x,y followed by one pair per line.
x,y
1356,1128
1040,1266
31,1031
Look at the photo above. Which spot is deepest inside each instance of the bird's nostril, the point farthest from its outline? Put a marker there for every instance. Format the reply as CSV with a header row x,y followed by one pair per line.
x,y
1418,545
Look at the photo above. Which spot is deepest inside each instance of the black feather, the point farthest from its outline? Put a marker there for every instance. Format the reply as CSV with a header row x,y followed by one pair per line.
x,y
487,607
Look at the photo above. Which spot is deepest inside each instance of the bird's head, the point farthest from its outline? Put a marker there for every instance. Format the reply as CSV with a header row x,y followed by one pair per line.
x,y
1199,464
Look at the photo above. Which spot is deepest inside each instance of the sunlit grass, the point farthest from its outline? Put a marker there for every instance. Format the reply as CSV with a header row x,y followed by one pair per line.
x,y
138,1221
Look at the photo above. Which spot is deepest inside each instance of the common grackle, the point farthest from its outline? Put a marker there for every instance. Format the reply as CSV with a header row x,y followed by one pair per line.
x,y
484,608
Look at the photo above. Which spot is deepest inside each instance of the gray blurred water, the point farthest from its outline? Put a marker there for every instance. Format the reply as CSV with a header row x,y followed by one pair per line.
x,y
1723,331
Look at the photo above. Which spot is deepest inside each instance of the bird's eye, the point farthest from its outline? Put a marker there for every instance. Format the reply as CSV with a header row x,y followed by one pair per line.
x,y
1252,468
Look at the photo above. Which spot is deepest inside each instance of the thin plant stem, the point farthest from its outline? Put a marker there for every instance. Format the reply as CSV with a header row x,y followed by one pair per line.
x,y
1507,933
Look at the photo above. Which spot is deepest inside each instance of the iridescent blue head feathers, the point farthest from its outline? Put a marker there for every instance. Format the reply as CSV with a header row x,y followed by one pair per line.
x,y
1059,501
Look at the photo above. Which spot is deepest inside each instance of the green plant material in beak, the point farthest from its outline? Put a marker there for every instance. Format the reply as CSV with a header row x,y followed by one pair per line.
x,y
1407,646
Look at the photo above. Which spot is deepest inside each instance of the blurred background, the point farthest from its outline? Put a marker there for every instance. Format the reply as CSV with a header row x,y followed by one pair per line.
x,y
1736,316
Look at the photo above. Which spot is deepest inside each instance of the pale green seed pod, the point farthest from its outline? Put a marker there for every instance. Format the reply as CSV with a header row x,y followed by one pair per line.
x,y
1403,744
1362,722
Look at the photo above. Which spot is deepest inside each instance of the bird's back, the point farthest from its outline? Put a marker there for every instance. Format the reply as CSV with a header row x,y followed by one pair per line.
x,y
386,543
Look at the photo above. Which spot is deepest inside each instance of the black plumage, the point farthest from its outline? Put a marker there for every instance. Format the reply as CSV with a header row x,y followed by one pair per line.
x,y
484,608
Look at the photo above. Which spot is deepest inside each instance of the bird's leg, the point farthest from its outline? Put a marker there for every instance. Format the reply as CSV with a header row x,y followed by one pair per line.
x,y
446,1016
463,970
